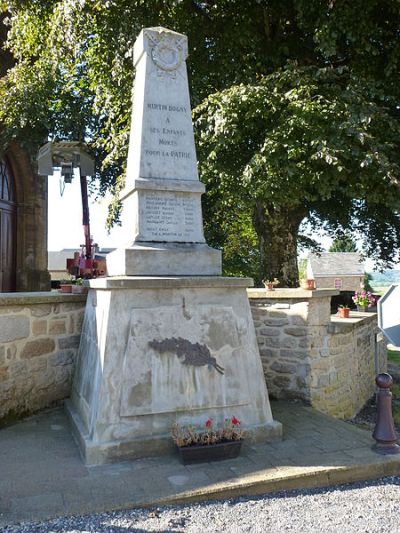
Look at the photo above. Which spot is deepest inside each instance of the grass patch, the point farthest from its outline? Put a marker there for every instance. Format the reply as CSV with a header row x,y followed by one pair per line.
x,y
396,402
394,357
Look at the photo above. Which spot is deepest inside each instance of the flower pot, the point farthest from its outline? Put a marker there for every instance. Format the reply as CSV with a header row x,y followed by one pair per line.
x,y
79,289
362,308
65,288
307,284
343,312
269,286
210,452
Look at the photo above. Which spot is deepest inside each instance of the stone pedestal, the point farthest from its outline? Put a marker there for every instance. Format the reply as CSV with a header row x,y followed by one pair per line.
x,y
162,195
179,347
155,351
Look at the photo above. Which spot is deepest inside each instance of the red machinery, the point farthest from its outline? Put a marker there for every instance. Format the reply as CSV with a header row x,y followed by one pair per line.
x,y
86,264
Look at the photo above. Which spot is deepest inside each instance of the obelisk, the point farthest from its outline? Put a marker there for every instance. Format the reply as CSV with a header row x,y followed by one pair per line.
x,y
165,337
162,196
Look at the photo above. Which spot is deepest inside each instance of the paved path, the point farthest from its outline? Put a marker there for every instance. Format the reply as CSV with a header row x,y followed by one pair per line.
x,y
42,474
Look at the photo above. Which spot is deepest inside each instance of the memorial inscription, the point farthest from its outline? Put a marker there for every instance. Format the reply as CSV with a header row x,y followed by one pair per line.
x,y
169,216
167,136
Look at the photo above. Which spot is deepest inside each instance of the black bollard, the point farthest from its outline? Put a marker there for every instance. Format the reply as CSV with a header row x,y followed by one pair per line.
x,y
384,432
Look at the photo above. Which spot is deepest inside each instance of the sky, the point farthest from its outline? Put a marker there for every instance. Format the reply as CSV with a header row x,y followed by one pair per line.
x,y
65,228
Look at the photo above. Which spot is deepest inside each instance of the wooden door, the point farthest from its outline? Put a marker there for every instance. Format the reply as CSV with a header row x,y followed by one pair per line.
x,y
8,219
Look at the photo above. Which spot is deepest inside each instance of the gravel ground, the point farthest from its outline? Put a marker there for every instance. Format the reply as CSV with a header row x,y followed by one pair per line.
x,y
360,507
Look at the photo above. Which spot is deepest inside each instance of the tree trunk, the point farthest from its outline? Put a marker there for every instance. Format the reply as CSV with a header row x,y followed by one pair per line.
x,y
277,229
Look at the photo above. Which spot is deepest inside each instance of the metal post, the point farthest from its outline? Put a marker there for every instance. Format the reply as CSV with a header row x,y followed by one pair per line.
x,y
384,432
85,218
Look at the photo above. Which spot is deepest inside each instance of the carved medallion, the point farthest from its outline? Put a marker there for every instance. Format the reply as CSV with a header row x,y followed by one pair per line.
x,y
167,52
194,354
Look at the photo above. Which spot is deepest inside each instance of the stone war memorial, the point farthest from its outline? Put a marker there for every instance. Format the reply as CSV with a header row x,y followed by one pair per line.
x,y
166,339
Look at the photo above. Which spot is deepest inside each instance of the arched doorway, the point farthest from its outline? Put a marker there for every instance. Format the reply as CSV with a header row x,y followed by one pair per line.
x,y
8,220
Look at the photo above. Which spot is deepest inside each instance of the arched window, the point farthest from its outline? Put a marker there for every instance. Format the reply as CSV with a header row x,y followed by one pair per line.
x,y
6,184
8,222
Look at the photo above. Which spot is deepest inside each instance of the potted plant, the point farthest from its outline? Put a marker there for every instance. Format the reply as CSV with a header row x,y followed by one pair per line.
x,y
307,284
344,311
209,443
66,285
269,285
363,299
79,288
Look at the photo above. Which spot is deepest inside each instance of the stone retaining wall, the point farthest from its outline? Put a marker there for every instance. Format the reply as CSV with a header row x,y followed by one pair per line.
x,y
306,353
39,338
310,355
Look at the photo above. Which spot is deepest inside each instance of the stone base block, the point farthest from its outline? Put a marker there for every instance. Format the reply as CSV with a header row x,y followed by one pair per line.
x,y
165,259
159,351
110,452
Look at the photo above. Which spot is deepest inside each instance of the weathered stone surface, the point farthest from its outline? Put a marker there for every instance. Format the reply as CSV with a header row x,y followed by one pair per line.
x,y
39,327
57,326
295,354
11,352
72,341
37,347
288,342
269,332
142,385
283,368
38,364
268,352
333,363
14,327
4,375
41,310
295,331
62,358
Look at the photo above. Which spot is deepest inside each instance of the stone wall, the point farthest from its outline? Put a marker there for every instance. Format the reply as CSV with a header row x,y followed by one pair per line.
x,y
349,283
306,353
310,355
39,337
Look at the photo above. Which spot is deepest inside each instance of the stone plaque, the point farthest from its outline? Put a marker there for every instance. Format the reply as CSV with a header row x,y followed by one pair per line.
x,y
169,217
156,381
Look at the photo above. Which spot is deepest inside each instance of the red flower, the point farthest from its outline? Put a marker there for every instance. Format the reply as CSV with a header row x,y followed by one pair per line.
x,y
235,421
209,423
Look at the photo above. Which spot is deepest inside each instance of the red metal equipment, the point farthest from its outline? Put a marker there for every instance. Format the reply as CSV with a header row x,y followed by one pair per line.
x,y
86,264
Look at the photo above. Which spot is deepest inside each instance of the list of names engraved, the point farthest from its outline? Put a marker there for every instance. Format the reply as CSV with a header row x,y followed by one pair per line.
x,y
170,217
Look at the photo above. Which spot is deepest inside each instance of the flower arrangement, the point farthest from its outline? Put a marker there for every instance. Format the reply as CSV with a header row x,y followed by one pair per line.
x,y
269,285
364,298
185,436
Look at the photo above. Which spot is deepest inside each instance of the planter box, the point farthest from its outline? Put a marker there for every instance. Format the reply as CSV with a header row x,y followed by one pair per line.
x,y
66,288
79,289
212,452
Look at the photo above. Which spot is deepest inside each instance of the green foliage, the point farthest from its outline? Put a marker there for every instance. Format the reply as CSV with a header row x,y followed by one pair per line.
x,y
303,268
343,243
297,107
309,140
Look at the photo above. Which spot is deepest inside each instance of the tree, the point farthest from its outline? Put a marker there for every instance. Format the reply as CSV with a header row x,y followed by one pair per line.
x,y
343,243
73,77
303,142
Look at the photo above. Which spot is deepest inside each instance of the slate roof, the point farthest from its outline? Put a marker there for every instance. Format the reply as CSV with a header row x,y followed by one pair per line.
x,y
336,264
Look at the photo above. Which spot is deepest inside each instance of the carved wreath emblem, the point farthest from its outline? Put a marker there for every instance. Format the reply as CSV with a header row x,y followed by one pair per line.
x,y
167,52
195,354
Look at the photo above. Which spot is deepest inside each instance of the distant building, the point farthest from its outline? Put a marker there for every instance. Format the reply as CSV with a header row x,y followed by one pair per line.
x,y
336,270
57,261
